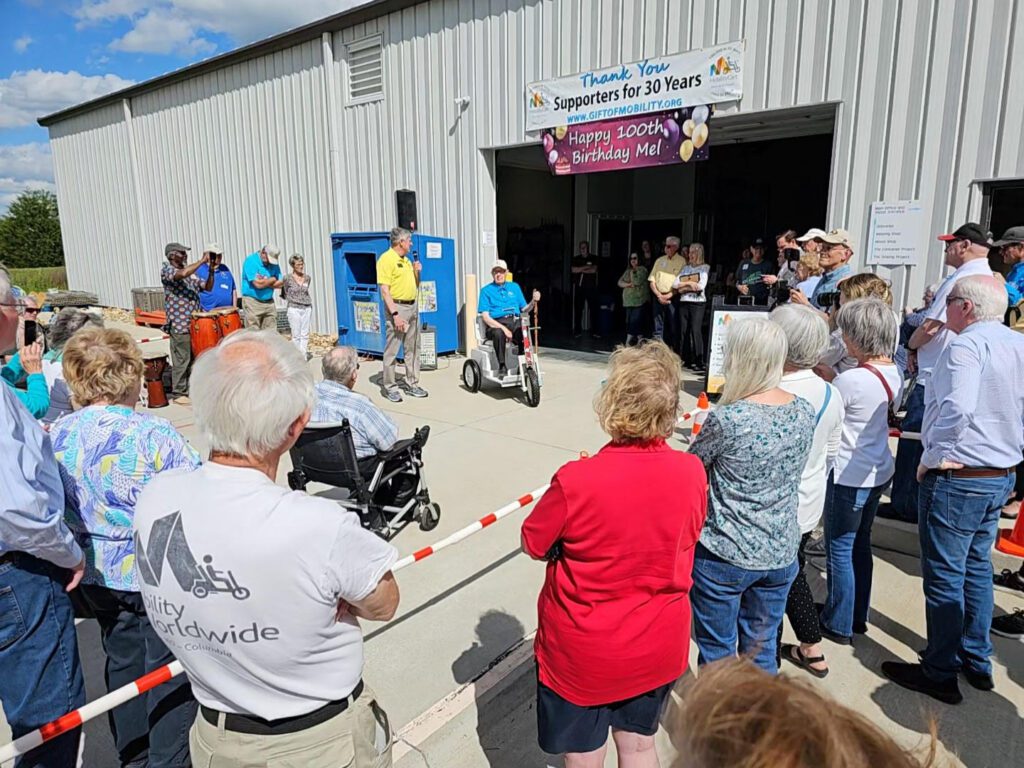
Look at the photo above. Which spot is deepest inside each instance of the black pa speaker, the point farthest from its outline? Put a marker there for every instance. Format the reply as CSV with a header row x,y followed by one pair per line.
x,y
406,200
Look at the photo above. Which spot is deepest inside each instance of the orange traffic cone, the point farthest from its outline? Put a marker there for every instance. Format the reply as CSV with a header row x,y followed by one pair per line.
x,y
1012,542
703,409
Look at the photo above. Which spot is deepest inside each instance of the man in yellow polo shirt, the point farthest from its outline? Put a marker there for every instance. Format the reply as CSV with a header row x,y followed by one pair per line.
x,y
399,281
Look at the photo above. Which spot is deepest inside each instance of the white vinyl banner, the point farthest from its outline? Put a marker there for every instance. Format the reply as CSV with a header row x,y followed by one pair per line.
x,y
704,76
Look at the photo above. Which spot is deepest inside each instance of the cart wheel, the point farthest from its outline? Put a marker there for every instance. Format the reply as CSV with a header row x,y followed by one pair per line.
x,y
430,515
472,376
532,388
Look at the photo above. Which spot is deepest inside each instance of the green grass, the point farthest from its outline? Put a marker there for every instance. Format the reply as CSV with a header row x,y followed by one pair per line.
x,y
40,279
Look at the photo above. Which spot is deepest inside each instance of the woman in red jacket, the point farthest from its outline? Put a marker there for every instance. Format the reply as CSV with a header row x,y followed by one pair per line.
x,y
618,530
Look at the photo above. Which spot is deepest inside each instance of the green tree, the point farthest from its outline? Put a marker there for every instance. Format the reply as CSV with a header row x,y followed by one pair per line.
x,y
30,231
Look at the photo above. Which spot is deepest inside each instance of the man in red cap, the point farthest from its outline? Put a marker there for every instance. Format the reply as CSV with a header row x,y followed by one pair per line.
x,y
967,252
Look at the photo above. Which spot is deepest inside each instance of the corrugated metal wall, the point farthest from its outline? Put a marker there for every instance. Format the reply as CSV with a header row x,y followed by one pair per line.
x,y
930,99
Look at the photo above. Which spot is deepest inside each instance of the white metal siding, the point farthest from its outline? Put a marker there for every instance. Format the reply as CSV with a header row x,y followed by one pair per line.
x,y
930,96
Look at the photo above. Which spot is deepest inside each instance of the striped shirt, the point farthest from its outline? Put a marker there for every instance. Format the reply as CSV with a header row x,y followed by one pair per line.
x,y
373,430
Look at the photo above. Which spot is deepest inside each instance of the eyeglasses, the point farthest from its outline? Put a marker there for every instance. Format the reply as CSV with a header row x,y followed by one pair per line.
x,y
951,299
20,306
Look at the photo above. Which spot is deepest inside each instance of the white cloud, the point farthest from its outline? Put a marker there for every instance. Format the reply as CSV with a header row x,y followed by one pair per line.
x,y
178,26
22,43
23,167
26,96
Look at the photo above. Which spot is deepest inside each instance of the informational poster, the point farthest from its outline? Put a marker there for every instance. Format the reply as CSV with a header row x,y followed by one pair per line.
x,y
664,138
897,234
704,76
722,318
428,348
428,296
433,250
367,316
488,238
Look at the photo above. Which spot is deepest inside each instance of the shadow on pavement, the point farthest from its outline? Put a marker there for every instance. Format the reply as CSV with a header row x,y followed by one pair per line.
x,y
506,719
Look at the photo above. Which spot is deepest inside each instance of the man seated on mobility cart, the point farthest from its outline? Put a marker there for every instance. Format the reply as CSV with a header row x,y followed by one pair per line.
x,y
500,306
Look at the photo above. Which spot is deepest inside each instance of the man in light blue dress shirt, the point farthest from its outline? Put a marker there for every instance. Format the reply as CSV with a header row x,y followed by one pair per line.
x,y
40,673
973,438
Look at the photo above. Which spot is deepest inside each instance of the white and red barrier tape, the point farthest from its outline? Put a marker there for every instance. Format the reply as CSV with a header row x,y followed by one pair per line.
x,y
161,337
76,718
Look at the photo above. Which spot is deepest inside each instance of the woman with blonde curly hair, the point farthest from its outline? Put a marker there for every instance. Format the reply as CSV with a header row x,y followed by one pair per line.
x,y
106,453
618,530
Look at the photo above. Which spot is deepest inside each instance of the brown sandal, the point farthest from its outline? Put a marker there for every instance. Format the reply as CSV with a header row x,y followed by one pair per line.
x,y
794,655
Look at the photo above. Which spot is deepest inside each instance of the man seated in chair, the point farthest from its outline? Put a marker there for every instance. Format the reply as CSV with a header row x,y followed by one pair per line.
x,y
373,431
500,306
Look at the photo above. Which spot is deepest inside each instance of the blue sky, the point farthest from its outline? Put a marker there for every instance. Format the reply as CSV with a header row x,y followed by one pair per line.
x,y
55,53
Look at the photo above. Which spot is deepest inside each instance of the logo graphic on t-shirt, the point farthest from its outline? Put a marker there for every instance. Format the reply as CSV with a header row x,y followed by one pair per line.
x,y
167,543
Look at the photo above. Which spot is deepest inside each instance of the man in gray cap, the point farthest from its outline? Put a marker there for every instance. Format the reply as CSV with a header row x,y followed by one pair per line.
x,y
1011,248
181,299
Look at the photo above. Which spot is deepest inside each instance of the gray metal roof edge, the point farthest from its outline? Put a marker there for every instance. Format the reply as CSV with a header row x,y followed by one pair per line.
x,y
349,18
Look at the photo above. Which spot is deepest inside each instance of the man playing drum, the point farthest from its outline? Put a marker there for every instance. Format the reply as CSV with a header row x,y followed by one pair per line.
x,y
181,299
222,293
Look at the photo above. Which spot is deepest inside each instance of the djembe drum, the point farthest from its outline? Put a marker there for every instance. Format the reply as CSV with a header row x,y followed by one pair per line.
x,y
228,320
153,373
205,331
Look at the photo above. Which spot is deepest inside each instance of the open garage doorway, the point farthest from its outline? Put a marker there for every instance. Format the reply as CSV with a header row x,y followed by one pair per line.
x,y
767,172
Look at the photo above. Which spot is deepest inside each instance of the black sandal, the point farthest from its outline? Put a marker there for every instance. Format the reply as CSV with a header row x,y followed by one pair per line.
x,y
794,655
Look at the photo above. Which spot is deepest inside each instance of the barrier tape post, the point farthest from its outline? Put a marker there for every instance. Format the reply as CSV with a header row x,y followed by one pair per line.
x,y
78,717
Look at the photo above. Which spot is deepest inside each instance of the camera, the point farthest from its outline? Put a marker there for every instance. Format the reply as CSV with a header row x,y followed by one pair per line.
x,y
780,292
828,300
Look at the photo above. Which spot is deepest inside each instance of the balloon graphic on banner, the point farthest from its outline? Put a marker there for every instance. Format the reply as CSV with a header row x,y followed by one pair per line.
x,y
549,143
688,127
670,130
700,135
700,114
686,150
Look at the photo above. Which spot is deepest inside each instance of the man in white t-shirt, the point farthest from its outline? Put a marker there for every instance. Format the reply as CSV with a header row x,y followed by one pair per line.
x,y
967,252
256,589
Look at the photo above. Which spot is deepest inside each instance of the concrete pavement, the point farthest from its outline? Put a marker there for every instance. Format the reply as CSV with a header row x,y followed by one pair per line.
x,y
466,607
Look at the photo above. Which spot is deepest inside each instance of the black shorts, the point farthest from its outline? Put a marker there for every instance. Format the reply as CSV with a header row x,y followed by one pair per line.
x,y
566,727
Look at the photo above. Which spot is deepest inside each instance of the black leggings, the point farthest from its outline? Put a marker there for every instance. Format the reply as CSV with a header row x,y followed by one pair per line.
x,y
691,326
800,610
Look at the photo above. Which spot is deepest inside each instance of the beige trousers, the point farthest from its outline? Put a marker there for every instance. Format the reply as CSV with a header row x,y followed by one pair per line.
x,y
410,339
261,315
360,737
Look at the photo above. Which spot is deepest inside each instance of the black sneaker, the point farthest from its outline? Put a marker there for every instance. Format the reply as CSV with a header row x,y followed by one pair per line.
x,y
978,680
1008,581
912,677
838,639
1011,625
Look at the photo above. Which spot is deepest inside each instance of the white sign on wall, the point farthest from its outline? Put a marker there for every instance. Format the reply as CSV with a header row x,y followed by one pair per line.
x,y
897,234
704,76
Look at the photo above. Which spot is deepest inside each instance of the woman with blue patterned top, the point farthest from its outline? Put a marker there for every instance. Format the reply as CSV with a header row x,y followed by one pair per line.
x,y
107,453
754,446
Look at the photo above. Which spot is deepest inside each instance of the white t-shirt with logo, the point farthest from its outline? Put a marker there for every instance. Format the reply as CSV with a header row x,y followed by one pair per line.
x,y
928,355
241,579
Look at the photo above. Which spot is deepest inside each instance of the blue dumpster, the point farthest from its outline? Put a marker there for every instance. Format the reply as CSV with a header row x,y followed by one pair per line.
x,y
361,311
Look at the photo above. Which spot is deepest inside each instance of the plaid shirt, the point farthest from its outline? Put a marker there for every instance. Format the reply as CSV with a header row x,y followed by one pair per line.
x,y
372,430
181,298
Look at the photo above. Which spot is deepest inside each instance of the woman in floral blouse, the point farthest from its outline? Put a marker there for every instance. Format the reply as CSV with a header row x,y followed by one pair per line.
x,y
754,446
107,453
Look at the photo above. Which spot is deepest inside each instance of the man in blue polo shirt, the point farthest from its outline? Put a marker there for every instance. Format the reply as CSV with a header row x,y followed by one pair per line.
x,y
500,305
222,292
260,278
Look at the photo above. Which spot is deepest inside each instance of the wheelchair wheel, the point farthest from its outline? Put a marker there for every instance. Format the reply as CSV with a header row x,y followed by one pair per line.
x,y
430,516
472,376
532,388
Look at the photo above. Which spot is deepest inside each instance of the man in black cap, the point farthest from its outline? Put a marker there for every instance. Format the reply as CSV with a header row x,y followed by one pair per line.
x,y
967,252
181,299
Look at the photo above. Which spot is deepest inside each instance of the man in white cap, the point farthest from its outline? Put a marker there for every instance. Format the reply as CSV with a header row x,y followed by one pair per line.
x,y
222,292
834,257
500,306
261,276
811,239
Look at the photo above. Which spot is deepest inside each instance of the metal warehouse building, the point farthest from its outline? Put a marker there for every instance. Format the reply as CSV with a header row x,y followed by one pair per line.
x,y
845,103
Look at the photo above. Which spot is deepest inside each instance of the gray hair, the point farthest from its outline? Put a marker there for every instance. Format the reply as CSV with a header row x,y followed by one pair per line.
x,y
340,363
672,240
295,257
248,390
398,234
988,296
271,250
66,322
870,325
806,332
755,353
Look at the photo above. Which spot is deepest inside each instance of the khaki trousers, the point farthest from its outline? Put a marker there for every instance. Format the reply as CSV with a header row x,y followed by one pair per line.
x,y
261,315
410,339
360,737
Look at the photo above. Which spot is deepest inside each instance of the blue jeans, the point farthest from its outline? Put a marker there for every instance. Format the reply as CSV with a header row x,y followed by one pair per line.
x,y
40,673
849,513
151,729
908,455
738,610
666,322
959,519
